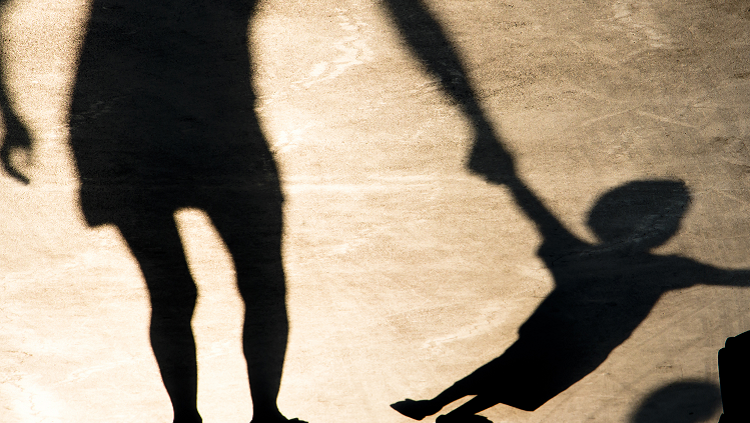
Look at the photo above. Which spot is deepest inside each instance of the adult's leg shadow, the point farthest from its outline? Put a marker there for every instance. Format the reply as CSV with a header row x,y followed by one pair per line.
x,y
155,243
249,222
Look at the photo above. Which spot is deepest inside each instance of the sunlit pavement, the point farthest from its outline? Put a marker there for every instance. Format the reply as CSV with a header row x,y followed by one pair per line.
x,y
405,272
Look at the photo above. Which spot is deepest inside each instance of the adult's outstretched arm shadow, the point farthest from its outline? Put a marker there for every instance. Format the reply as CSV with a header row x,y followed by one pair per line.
x,y
430,44
15,135
602,293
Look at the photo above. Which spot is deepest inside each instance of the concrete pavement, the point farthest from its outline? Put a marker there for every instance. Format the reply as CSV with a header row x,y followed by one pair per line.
x,y
405,273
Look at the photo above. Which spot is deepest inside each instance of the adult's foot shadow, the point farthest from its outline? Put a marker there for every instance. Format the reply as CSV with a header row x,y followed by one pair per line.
x,y
163,118
679,402
602,293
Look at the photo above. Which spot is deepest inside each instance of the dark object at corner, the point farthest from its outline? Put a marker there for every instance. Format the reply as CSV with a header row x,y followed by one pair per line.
x,y
734,376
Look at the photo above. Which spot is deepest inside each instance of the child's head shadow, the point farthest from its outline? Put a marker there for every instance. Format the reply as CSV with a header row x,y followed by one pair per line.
x,y
639,215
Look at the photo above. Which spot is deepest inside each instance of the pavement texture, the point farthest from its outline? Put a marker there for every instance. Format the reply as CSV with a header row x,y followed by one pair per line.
x,y
404,271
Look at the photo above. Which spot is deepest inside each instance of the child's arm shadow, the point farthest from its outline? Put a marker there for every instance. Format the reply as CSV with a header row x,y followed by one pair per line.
x,y
551,229
703,274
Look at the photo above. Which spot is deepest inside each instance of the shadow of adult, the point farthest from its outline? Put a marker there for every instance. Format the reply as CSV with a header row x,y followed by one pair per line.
x,y
162,118
602,293
679,402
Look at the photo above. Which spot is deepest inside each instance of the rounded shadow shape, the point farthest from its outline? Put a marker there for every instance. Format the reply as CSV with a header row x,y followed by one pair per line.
x,y
680,402
645,213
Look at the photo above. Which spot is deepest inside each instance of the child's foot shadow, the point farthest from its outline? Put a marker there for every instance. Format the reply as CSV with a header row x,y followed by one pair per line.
x,y
471,418
416,410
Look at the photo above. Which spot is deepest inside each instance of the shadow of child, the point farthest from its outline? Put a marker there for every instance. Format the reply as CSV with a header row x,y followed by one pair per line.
x,y
602,293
